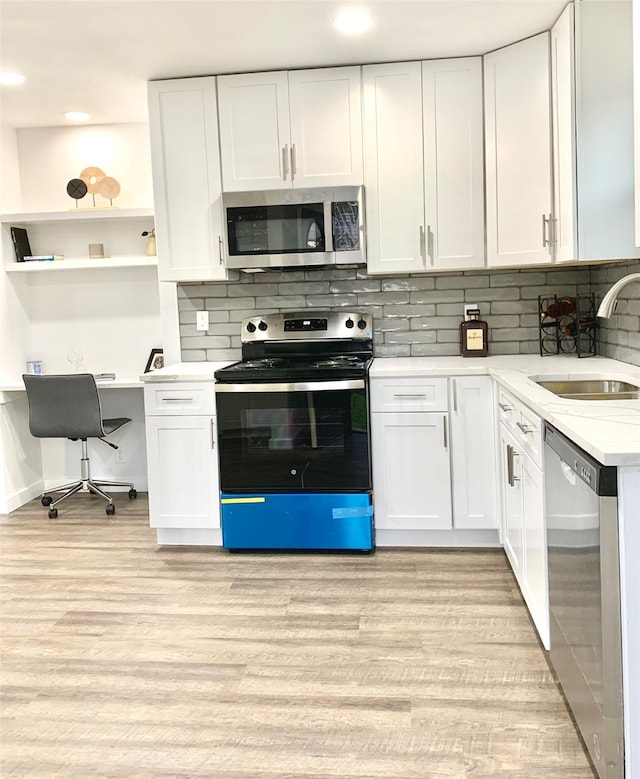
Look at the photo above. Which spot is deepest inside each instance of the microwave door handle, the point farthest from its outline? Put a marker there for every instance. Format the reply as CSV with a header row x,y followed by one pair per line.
x,y
328,226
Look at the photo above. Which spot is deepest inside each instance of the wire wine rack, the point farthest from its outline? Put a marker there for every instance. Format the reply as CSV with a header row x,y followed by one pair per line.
x,y
567,325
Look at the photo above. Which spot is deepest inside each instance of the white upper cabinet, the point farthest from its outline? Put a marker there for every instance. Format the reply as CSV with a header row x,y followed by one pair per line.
x,y
453,163
423,165
592,90
291,129
518,153
186,179
565,231
393,167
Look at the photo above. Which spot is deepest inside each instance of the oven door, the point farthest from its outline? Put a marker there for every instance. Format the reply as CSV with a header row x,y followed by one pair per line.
x,y
299,437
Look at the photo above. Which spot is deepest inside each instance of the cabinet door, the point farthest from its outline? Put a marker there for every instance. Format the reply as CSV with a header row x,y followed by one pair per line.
x,y
183,472
536,578
254,131
518,153
564,133
411,472
393,167
510,481
453,162
186,179
326,127
473,452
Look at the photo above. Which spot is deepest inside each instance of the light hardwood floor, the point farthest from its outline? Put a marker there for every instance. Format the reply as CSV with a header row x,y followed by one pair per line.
x,y
122,659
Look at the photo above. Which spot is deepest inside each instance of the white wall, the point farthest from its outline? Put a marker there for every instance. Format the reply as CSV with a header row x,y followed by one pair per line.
x,y
48,157
112,316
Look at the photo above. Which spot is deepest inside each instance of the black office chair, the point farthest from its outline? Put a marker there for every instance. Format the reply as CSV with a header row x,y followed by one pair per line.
x,y
68,406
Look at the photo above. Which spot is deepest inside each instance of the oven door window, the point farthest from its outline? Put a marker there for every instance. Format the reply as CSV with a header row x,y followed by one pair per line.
x,y
294,441
283,229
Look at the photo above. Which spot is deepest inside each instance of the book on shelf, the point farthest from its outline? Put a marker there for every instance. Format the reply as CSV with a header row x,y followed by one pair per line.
x,y
21,245
43,257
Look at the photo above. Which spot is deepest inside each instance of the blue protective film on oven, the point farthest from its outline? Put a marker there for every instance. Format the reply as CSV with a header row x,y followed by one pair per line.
x,y
360,511
306,520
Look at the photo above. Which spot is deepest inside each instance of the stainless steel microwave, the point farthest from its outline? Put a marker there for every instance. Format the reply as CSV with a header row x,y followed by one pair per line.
x,y
294,228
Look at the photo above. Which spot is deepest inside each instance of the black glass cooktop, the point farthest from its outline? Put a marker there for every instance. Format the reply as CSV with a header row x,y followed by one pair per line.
x,y
301,368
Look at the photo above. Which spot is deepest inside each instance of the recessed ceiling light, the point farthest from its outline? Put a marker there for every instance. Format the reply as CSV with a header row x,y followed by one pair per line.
x,y
77,116
11,79
353,21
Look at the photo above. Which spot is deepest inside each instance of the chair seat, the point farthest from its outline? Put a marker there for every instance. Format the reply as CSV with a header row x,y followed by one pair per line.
x,y
110,425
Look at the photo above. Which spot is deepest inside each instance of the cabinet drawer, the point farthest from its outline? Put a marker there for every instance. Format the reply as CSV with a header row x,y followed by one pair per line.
x,y
409,395
172,399
529,433
523,423
507,411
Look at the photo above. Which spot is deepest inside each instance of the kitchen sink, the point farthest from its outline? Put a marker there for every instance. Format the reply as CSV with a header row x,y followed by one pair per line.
x,y
590,389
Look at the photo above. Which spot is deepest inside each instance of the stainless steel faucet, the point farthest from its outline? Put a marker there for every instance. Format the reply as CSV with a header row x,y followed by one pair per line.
x,y
608,305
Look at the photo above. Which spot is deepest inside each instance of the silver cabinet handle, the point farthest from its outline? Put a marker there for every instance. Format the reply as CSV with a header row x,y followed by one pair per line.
x,y
220,249
413,397
504,407
455,395
422,243
285,161
429,242
444,430
294,165
177,400
546,230
511,477
213,436
525,428
510,465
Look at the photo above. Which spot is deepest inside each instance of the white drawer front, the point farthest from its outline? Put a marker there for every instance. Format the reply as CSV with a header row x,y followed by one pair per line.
x,y
179,399
529,433
507,408
409,395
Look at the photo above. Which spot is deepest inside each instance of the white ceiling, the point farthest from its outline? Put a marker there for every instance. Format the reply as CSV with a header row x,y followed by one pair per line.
x,y
97,55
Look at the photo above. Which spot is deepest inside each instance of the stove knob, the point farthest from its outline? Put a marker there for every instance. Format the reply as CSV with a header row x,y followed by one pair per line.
x,y
251,328
262,326
362,324
349,323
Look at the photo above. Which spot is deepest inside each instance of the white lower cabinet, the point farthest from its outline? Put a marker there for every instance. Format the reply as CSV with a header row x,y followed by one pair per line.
x,y
411,471
473,462
182,459
524,525
433,461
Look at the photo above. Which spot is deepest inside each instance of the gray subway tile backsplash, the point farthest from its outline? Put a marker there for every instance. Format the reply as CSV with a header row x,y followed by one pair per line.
x,y
413,315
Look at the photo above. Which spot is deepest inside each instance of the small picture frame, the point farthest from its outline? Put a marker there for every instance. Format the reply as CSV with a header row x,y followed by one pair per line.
x,y
155,361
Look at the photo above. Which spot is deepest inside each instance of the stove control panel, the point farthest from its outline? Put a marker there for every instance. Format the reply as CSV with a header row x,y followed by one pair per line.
x,y
307,326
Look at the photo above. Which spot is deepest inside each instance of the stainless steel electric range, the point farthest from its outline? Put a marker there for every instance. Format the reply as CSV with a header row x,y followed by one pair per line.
x,y
293,432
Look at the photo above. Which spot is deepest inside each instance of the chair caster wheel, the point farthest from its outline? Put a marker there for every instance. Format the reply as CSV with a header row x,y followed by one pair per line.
x,y
111,509
46,500
53,513
133,494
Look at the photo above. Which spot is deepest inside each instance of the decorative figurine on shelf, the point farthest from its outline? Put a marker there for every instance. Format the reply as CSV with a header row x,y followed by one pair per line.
x,y
93,180
151,243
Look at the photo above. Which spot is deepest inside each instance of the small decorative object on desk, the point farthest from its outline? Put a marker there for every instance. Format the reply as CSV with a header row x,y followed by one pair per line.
x,y
568,325
93,180
474,335
155,361
96,251
35,367
151,243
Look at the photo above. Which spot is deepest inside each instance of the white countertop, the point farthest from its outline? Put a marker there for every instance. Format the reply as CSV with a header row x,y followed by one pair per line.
x,y
185,371
609,430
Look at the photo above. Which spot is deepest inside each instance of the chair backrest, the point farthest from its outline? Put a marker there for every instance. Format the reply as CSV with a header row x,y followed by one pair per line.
x,y
64,406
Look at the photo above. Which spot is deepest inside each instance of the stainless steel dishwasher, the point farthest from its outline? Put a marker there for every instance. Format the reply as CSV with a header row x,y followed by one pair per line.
x,y
584,595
